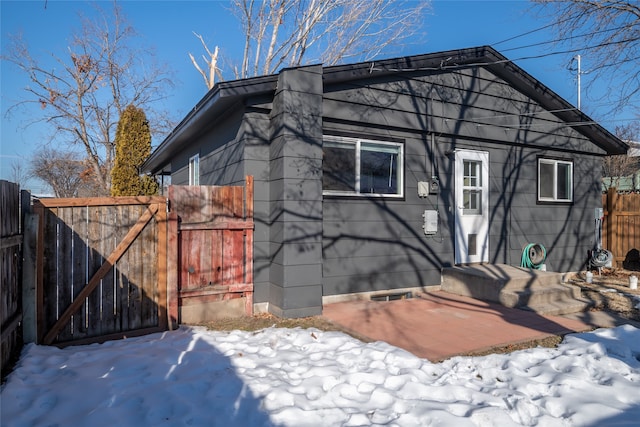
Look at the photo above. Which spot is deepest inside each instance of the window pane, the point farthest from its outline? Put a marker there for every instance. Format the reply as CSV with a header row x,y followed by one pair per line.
x,y
472,202
472,176
194,170
545,180
564,181
339,167
378,169
355,166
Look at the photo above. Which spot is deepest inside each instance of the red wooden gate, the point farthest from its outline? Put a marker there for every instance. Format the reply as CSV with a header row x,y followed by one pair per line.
x,y
212,228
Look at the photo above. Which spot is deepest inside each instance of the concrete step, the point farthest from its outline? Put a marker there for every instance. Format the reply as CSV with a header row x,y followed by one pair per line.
x,y
537,295
560,307
516,287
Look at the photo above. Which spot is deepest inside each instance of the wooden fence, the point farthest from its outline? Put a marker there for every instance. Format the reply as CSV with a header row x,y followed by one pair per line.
x,y
101,268
621,230
105,268
212,228
10,256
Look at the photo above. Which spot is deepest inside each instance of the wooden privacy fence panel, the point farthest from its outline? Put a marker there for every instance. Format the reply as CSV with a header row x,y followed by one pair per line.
x,y
10,274
621,231
101,268
215,245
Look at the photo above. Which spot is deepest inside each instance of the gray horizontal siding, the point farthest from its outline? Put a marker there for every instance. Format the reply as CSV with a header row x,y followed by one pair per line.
x,y
372,244
469,103
362,247
382,279
378,244
517,219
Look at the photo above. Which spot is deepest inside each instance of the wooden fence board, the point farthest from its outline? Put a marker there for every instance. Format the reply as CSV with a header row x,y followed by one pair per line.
x,y
121,266
79,269
161,266
172,271
109,322
11,239
621,230
148,269
63,272
95,259
130,275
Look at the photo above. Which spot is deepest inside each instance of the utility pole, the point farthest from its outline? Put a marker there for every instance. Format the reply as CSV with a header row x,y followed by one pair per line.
x,y
579,71
577,58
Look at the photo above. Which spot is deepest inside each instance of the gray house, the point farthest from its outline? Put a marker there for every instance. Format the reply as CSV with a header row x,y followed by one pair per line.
x,y
371,177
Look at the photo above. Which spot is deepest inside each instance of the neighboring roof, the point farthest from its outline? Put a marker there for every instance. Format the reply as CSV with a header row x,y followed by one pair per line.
x,y
225,94
634,149
622,183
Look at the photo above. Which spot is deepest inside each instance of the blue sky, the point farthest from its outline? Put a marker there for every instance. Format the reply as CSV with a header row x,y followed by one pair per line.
x,y
168,27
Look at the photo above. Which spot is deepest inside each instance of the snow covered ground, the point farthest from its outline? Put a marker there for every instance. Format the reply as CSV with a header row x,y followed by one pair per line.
x,y
305,377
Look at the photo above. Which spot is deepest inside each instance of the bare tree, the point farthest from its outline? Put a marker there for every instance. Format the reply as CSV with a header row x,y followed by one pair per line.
x,y
19,173
84,91
61,170
211,59
608,33
280,33
616,168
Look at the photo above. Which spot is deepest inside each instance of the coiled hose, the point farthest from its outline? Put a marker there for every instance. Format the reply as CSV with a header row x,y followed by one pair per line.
x,y
533,256
601,258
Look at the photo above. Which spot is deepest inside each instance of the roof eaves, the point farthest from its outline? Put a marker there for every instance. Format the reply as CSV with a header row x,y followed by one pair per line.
x,y
224,92
490,58
431,61
536,90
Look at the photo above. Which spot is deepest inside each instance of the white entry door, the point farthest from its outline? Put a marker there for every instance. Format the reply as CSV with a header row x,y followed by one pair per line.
x,y
472,206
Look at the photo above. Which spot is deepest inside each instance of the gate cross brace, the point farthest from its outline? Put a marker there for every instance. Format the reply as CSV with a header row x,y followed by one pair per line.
x,y
102,271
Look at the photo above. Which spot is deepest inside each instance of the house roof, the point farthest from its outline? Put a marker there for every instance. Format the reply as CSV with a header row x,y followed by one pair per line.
x,y
227,94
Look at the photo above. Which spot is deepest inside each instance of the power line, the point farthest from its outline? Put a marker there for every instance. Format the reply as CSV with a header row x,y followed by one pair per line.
x,y
443,65
532,31
562,39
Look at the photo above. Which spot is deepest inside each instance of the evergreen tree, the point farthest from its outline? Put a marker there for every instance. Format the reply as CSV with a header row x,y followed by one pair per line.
x,y
133,146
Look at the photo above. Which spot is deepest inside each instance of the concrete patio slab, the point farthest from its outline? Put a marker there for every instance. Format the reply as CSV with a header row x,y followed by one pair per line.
x,y
438,325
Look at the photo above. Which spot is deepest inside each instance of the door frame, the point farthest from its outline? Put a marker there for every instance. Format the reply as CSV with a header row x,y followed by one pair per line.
x,y
471,224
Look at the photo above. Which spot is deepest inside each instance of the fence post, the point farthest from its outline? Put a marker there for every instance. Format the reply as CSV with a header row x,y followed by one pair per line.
x,y
612,222
163,265
172,271
248,261
29,277
40,211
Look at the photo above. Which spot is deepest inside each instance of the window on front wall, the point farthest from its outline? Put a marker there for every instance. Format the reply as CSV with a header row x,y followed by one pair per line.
x,y
194,170
555,180
359,167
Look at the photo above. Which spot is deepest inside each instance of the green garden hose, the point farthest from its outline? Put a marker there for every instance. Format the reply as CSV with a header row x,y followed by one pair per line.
x,y
533,256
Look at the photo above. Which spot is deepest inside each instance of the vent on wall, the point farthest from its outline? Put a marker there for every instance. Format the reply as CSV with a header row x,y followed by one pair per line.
x,y
391,297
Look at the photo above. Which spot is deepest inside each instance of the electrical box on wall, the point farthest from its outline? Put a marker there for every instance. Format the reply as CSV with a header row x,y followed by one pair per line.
x,y
429,187
430,225
434,185
423,189
599,213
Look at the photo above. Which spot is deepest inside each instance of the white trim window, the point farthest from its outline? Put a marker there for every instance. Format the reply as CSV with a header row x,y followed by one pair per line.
x,y
362,167
555,181
194,170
